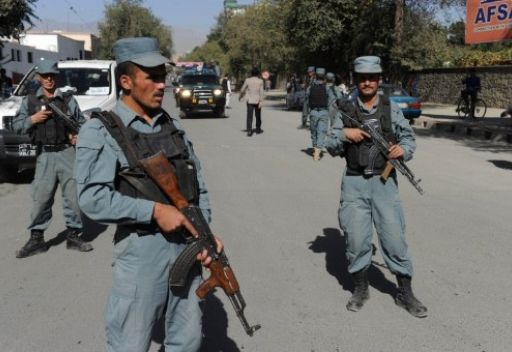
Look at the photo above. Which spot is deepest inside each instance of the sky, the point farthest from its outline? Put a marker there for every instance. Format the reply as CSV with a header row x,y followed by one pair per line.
x,y
191,20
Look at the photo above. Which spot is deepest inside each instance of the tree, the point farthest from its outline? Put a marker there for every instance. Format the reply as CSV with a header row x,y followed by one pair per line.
x,y
14,16
129,18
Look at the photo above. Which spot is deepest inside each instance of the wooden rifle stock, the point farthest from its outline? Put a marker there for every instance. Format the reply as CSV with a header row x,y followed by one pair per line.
x,y
162,172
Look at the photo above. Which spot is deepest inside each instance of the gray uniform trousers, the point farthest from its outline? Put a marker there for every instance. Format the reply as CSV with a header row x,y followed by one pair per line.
x,y
140,293
318,124
53,168
367,201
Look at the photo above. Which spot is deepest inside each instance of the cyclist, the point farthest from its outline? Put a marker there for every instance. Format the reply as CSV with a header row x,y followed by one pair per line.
x,y
470,91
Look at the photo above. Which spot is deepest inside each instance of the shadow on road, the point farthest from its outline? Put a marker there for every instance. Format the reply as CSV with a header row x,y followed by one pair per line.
x,y
474,143
333,244
201,115
61,237
502,164
91,230
308,151
215,327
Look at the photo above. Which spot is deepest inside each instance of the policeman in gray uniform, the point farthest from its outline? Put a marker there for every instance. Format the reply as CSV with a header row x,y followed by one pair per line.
x,y
56,156
366,200
334,94
149,234
317,104
305,113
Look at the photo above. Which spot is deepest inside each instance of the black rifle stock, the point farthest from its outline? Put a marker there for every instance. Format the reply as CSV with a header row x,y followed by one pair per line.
x,y
71,124
382,144
163,174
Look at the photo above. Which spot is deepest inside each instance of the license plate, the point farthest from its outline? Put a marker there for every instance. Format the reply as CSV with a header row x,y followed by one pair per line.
x,y
26,150
403,105
203,101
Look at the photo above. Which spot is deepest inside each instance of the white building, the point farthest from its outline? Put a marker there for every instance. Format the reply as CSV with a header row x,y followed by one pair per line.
x,y
18,57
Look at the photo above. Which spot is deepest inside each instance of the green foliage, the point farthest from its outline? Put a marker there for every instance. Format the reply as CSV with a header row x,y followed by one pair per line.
x,y
15,15
130,18
289,35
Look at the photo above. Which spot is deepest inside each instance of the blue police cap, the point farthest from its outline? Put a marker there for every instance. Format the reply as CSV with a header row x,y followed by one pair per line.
x,y
143,51
329,76
320,71
311,69
47,66
367,64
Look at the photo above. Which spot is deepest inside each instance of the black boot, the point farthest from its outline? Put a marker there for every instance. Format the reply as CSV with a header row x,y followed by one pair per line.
x,y
35,245
405,298
75,242
361,293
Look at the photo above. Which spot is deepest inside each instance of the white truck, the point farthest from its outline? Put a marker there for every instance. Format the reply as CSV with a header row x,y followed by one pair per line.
x,y
94,85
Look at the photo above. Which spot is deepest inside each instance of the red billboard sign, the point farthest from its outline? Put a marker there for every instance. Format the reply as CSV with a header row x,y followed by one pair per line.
x,y
488,21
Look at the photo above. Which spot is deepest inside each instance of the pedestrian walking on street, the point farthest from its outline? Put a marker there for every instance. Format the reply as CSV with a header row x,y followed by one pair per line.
x,y
55,159
150,233
366,200
226,86
317,105
305,111
334,93
253,92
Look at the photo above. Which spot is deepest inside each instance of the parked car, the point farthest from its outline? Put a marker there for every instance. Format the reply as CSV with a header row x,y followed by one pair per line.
x,y
410,106
200,91
94,85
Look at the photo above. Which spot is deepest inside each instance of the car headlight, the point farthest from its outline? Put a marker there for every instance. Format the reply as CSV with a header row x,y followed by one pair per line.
x,y
186,93
217,92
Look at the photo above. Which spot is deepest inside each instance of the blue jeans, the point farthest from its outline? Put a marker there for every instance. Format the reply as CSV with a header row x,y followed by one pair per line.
x,y
318,124
140,293
367,202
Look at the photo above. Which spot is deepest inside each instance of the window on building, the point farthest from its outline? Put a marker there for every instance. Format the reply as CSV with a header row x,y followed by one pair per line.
x,y
13,58
29,57
18,55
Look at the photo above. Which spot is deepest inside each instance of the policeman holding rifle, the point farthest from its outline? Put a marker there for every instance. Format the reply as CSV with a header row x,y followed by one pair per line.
x,y
366,199
150,233
55,141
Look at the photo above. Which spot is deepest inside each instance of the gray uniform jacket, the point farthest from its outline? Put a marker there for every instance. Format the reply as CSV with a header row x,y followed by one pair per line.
x,y
97,157
253,90
400,126
22,122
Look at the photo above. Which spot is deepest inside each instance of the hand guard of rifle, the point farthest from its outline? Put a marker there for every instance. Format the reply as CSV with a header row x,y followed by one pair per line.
x,y
347,109
71,124
163,174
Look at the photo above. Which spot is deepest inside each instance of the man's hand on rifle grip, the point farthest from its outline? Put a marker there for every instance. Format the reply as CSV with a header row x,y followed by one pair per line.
x,y
395,152
203,256
355,135
40,116
169,219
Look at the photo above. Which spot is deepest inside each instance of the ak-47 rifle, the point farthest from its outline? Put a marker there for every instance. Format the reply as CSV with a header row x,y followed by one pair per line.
x,y
382,144
162,173
71,124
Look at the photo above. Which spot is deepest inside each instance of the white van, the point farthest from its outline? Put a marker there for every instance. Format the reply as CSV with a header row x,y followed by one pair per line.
x,y
94,85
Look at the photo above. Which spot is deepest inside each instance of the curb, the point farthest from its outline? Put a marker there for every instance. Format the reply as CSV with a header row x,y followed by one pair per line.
x,y
465,129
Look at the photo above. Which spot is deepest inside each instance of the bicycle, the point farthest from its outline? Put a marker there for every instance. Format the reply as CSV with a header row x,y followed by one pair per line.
x,y
463,109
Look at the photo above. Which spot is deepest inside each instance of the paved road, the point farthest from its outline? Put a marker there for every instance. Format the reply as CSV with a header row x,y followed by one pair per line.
x,y
276,210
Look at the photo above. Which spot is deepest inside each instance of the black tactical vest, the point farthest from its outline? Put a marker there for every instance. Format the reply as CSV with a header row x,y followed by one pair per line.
x,y
364,158
53,131
134,182
318,98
